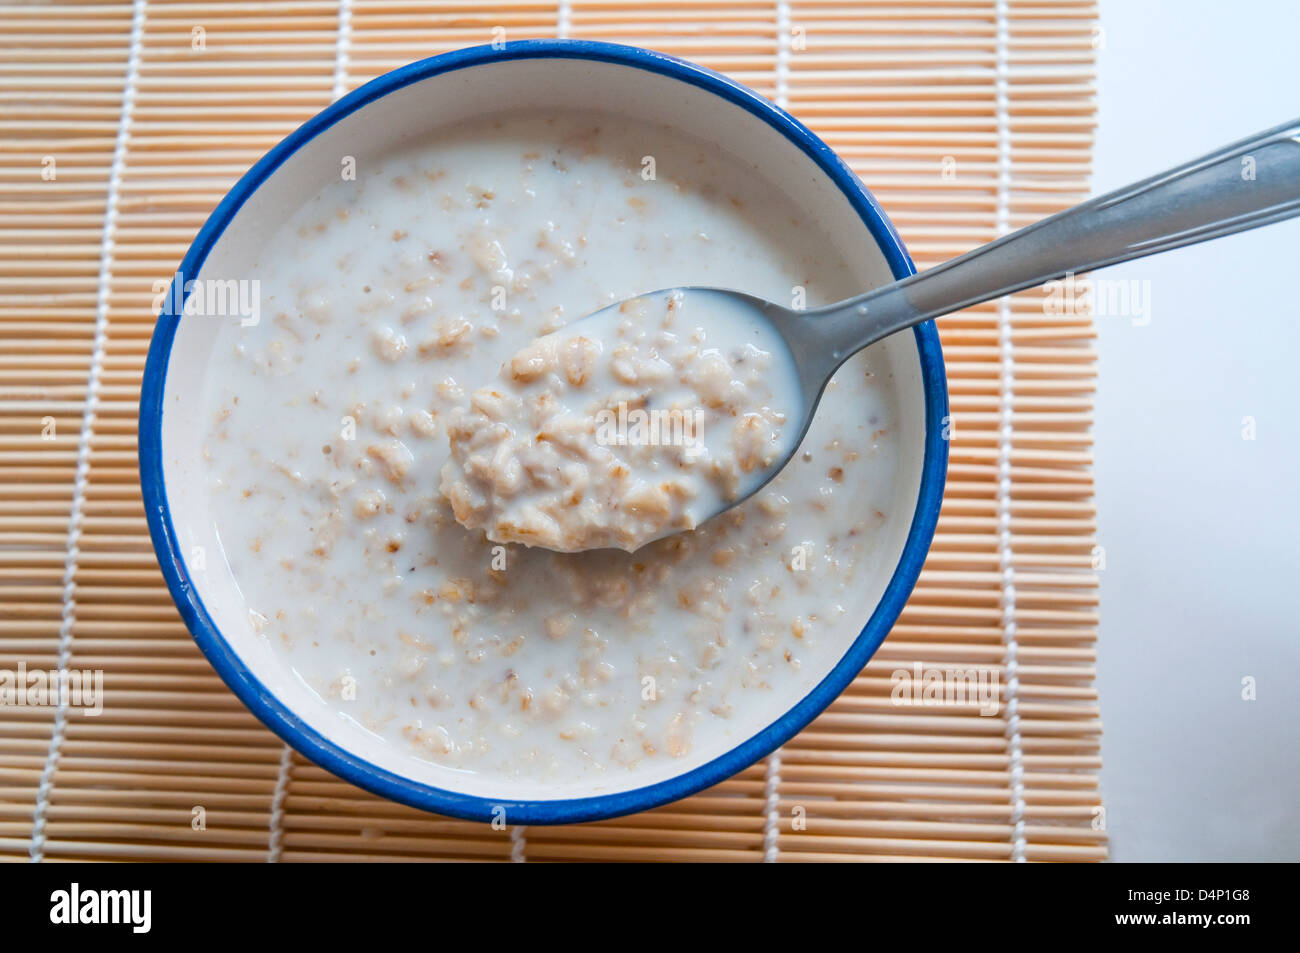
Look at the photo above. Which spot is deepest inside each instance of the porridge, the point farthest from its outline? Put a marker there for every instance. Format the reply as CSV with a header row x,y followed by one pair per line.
x,y
639,421
386,301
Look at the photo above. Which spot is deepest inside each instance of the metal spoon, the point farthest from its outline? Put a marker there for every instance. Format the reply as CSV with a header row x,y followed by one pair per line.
x,y
1253,182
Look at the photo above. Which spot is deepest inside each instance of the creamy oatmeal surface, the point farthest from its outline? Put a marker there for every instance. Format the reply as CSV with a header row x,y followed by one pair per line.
x,y
383,300
639,421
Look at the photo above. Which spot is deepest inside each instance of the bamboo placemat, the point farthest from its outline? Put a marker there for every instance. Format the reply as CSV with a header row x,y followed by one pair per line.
x,y
121,126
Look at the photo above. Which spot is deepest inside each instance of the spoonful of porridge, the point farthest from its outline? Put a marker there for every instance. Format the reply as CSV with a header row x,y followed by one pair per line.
x,y
653,415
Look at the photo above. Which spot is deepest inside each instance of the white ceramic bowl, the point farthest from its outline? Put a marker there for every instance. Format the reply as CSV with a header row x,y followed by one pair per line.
x,y
407,105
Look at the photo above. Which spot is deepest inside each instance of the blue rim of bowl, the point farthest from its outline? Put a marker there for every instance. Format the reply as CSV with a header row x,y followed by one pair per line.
x,y
362,773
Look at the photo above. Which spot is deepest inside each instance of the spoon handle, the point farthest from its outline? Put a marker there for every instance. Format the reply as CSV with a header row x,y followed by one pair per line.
x,y
1247,184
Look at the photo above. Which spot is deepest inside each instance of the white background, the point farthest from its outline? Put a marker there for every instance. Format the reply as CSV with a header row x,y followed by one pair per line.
x,y
1199,526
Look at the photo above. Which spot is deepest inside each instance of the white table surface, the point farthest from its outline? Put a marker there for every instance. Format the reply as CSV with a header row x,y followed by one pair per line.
x,y
1199,526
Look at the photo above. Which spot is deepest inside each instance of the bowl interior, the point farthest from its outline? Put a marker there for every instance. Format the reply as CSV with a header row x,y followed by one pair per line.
x,y
413,113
